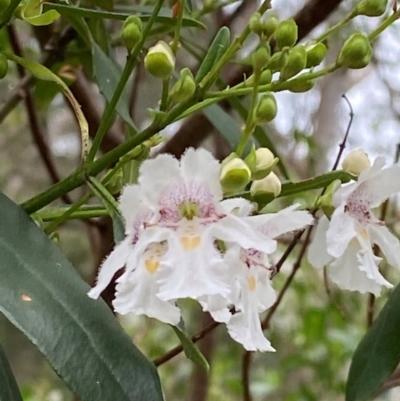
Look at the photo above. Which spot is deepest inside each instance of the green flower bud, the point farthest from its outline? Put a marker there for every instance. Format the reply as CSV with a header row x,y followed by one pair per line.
x,y
160,61
270,185
255,23
300,87
3,6
356,52
296,63
131,31
269,26
266,109
286,34
3,66
265,78
371,8
261,162
261,57
325,202
184,87
315,54
277,61
235,174
356,162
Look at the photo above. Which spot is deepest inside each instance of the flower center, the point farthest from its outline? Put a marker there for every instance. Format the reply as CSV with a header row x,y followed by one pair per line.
x,y
189,210
154,253
190,242
252,283
152,265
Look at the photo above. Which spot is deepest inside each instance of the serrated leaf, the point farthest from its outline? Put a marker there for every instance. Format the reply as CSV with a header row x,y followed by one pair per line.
x,y
107,74
190,349
41,72
226,125
217,49
163,17
378,353
8,386
42,295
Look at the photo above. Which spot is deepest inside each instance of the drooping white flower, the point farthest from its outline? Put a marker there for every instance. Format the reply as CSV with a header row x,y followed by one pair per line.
x,y
252,292
345,243
175,207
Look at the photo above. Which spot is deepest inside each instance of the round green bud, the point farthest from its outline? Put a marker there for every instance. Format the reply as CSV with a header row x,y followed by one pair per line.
x,y
356,162
356,52
266,109
315,54
286,34
277,61
265,78
3,66
261,57
184,88
131,31
300,87
160,61
235,175
270,185
255,24
371,8
3,6
296,62
261,162
269,26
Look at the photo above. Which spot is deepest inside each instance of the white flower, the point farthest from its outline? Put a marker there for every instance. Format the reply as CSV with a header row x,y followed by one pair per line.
x,y
345,243
174,221
252,292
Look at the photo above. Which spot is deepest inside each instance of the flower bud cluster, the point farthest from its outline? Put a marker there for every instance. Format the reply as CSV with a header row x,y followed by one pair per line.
x,y
236,174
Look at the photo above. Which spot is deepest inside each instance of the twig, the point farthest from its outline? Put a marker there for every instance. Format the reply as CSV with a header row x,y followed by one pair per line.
x,y
246,364
38,135
178,349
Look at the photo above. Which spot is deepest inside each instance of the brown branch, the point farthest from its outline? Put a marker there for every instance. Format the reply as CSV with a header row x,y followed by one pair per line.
x,y
36,129
197,127
246,364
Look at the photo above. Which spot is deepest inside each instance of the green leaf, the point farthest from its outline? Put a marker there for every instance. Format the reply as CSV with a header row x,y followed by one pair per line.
x,y
8,386
217,49
100,34
226,125
190,349
42,295
293,188
32,12
163,17
41,72
378,353
107,74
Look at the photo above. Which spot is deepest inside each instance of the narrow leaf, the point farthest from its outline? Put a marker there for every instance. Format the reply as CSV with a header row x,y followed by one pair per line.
x,y
144,13
42,295
107,74
191,350
41,72
8,386
226,125
378,353
216,50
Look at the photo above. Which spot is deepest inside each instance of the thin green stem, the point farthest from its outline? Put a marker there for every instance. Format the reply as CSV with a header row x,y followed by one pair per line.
x,y
385,24
175,43
84,212
249,127
164,95
129,66
337,26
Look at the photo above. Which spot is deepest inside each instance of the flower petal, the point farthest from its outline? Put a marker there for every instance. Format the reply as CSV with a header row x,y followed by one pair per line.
x,y
345,272
340,232
114,262
157,174
238,206
238,230
317,253
387,242
200,165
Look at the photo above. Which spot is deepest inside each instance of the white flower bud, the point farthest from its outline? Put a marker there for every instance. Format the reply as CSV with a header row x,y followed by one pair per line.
x,y
160,61
356,162
235,175
271,184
